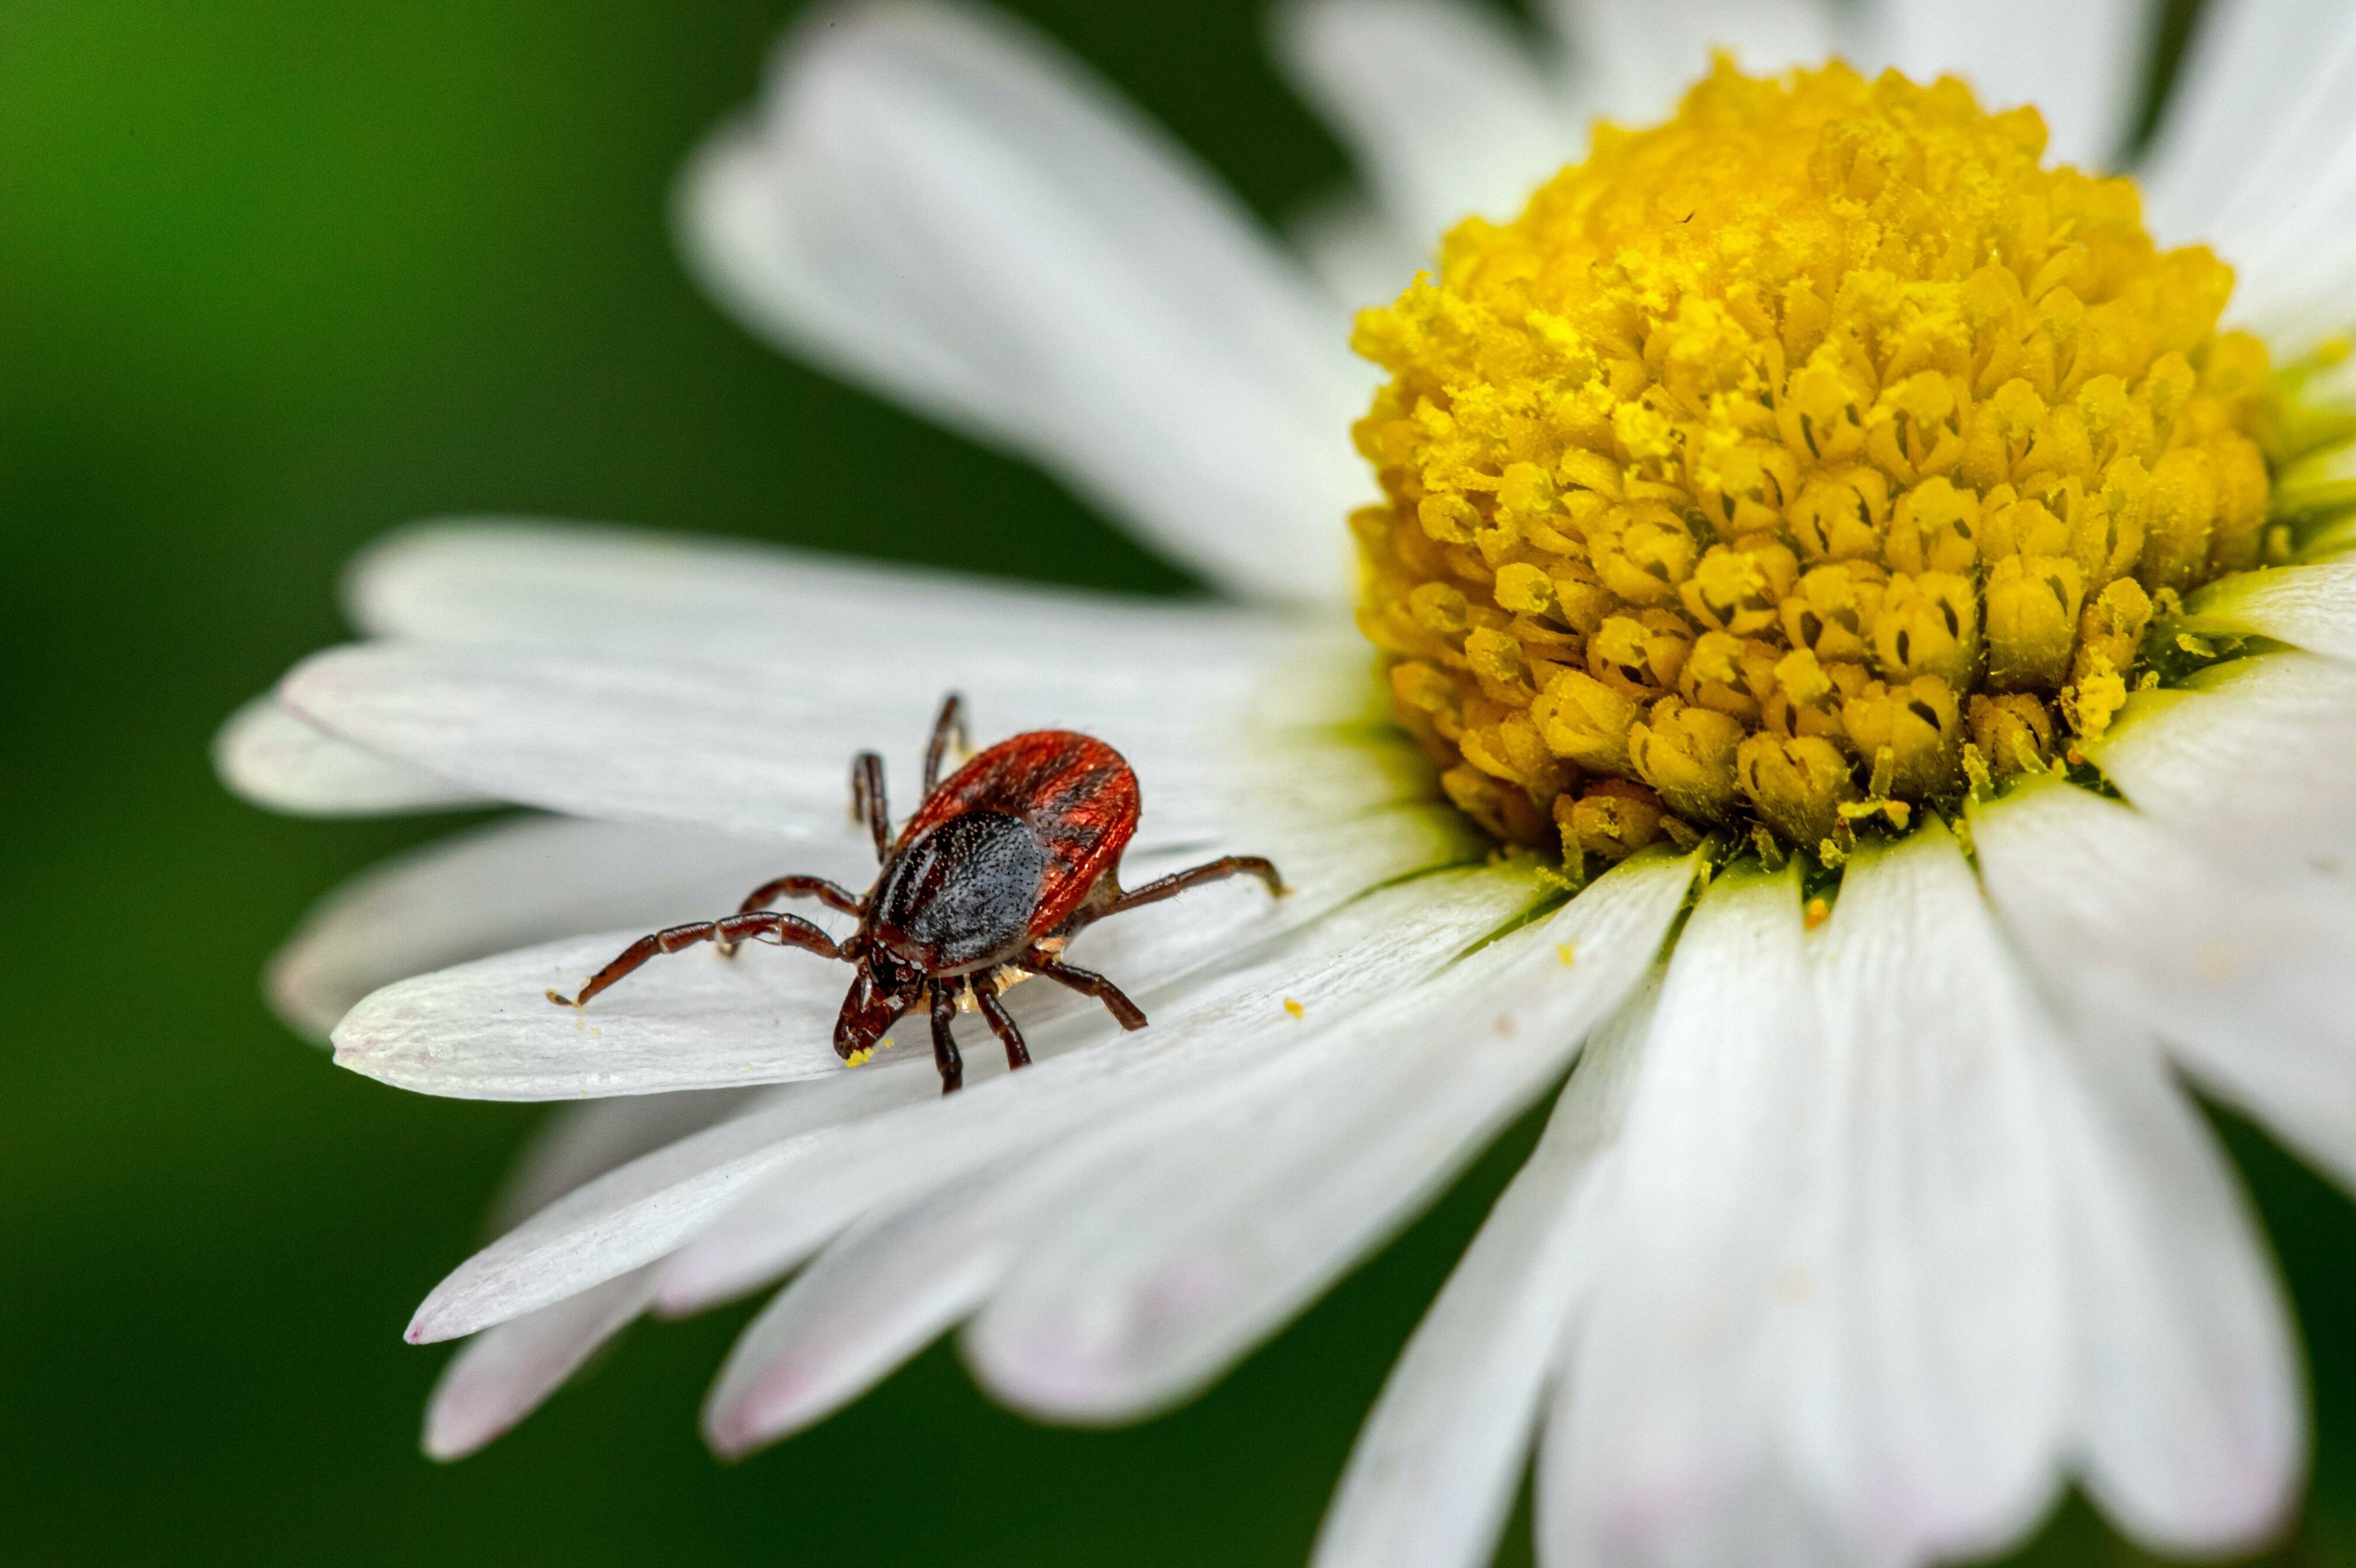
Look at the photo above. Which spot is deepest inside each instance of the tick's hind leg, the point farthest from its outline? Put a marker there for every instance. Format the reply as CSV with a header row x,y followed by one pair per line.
x,y
817,888
1177,882
949,726
784,929
1002,1024
945,1050
1088,983
867,800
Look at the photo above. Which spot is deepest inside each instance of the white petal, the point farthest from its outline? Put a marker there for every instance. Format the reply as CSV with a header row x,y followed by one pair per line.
x,y
578,1144
741,751
274,759
1433,1475
2082,65
1446,110
633,1215
694,1019
2286,202
1932,1410
1661,1448
1633,59
755,229
695,598
2250,978
2192,1419
513,884
1209,1027
2245,58
867,1304
1355,252
501,1376
1180,1261
1112,310
2249,759
650,1207
2311,607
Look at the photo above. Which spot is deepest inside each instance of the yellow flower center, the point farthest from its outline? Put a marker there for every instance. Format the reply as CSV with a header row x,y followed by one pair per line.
x,y
1807,459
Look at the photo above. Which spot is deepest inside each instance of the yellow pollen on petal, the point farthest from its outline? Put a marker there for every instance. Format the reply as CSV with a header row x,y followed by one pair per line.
x,y
1814,457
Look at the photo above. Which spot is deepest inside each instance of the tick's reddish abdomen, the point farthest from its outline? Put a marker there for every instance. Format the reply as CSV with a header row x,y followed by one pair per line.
x,y
1074,791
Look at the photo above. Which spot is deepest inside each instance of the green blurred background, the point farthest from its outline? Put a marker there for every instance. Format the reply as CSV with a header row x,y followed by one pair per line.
x,y
273,278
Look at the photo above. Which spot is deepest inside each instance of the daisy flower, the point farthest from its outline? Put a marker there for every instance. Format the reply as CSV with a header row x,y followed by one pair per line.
x,y
1861,699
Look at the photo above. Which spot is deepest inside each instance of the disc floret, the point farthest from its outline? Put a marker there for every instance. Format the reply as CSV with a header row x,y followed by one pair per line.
x,y
1800,460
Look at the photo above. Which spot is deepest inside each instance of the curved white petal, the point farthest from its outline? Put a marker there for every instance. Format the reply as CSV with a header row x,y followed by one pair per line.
x,y
695,1019
739,750
578,1144
1212,1028
649,1208
1445,109
760,234
1177,1263
514,884
2250,758
501,1376
2192,1416
1432,1478
869,1303
634,1213
2082,65
2245,60
2273,184
1633,59
2311,607
280,760
696,598
1930,1409
1660,1449
2251,979
1080,288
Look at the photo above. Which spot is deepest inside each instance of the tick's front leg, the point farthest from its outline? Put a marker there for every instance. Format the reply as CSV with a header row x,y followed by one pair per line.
x,y
945,1048
784,929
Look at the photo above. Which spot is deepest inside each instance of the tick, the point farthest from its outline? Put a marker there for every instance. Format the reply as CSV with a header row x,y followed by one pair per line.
x,y
1016,853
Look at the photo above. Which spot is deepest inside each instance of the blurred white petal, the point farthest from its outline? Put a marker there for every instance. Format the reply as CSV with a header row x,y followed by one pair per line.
x,y
1013,242
1446,110
281,761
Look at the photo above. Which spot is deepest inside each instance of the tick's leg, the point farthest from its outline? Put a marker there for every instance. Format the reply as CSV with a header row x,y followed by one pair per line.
x,y
1177,882
817,888
945,1051
867,799
784,929
951,723
1002,1024
1088,983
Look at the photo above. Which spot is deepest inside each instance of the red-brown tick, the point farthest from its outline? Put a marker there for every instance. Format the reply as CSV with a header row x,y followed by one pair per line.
x,y
1003,864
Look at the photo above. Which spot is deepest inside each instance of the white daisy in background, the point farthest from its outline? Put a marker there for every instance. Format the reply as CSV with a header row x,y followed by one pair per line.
x,y
1846,542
